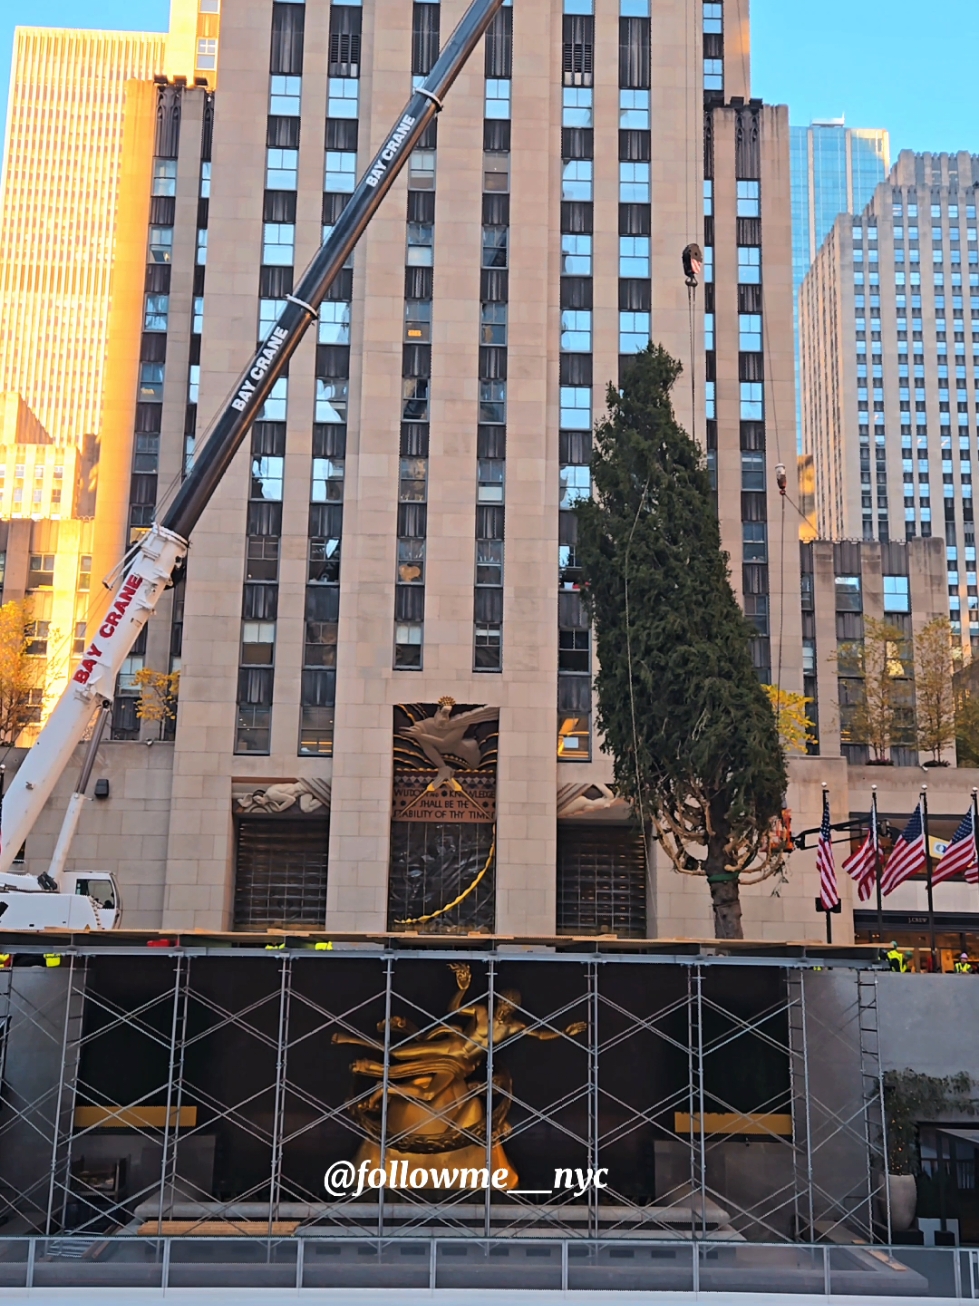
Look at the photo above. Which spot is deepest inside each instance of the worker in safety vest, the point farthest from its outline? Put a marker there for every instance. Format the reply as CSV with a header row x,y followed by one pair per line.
x,y
896,958
963,966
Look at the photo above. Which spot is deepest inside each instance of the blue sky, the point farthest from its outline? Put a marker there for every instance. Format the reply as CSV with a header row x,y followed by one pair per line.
x,y
860,58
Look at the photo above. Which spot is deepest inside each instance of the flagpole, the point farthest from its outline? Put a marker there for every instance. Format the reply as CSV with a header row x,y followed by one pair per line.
x,y
931,896
876,833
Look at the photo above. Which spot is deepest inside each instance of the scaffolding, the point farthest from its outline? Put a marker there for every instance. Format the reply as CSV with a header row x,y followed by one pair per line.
x,y
197,1089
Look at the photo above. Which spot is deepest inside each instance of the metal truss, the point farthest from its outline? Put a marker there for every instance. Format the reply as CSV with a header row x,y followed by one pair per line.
x,y
720,1098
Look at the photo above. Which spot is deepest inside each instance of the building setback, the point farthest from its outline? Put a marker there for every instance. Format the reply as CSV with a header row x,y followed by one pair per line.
x,y
889,326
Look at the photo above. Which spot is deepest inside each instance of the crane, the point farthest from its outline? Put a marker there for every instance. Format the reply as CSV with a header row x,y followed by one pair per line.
x,y
148,570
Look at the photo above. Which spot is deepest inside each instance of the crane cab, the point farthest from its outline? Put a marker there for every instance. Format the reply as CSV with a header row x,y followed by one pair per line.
x,y
101,888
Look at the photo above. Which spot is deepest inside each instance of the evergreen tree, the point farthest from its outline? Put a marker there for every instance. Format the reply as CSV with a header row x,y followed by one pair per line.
x,y
691,731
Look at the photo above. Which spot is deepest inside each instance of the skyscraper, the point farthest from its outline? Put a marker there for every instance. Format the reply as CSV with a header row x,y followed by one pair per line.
x,y
65,137
74,204
889,327
834,170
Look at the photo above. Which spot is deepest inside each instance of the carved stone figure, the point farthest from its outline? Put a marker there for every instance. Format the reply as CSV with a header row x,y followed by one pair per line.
x,y
310,795
443,733
580,799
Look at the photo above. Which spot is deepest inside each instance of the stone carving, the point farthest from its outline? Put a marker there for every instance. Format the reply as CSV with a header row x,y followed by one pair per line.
x,y
442,734
309,795
583,799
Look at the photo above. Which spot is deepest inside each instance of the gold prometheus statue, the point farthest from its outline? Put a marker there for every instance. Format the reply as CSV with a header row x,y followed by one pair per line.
x,y
435,1115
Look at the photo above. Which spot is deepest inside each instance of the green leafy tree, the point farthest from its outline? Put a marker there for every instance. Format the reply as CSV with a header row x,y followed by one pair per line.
x,y
690,729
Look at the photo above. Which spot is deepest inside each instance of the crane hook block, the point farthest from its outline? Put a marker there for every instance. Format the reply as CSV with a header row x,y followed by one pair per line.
x,y
781,479
693,263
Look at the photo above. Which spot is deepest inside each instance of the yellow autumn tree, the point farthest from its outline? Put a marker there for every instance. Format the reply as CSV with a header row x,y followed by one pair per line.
x,y
21,676
934,699
795,730
157,694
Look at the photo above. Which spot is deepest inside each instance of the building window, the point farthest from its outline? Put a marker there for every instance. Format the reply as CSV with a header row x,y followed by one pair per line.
x,y
269,311
492,401
634,183
749,265
575,484
40,572
576,106
575,331
752,469
281,169
755,539
331,399
334,323
285,95
36,633
575,408
164,177
151,382
157,308
713,74
278,244
274,408
575,255
897,594
343,101
576,179
161,244
749,199
633,256
202,246
420,251
418,321
633,110
752,402
341,171
633,332
207,53
414,399
492,324
497,97
848,595
749,332
421,170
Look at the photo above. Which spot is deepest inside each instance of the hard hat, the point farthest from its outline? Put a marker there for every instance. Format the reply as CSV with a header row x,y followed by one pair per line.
x,y
963,956
893,943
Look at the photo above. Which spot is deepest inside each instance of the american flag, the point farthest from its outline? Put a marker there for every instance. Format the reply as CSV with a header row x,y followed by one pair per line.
x,y
861,866
829,894
960,856
907,856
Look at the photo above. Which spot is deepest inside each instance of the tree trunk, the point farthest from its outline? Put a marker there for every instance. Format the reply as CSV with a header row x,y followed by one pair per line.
x,y
726,902
725,894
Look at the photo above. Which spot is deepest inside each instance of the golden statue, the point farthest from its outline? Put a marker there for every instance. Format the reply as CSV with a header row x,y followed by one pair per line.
x,y
435,1116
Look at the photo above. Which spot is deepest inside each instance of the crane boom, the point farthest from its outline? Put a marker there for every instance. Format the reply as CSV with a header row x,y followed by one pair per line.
x,y
165,544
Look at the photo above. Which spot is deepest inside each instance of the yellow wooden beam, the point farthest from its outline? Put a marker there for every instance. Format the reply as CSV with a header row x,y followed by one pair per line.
x,y
134,1117
731,1122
